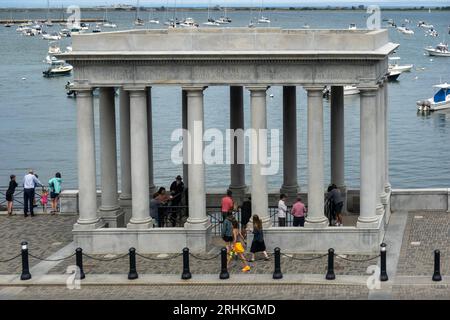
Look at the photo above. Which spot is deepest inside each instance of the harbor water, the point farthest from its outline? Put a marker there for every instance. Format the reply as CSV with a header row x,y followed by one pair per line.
x,y
38,120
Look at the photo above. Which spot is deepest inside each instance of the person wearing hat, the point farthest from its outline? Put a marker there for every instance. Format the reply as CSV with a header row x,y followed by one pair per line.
x,y
176,191
30,181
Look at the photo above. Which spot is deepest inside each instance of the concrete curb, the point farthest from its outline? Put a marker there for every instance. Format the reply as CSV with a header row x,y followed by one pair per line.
x,y
204,279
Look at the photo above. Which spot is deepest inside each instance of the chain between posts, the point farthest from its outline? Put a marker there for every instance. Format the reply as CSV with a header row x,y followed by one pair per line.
x,y
205,259
159,259
105,260
51,260
355,260
10,259
304,259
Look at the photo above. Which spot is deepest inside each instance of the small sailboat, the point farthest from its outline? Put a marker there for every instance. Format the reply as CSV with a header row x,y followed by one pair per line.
x,y
97,29
107,23
224,19
405,30
189,23
262,19
138,21
441,50
152,19
210,21
48,22
440,100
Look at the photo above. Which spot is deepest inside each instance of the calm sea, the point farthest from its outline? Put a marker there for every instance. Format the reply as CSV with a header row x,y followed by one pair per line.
x,y
38,121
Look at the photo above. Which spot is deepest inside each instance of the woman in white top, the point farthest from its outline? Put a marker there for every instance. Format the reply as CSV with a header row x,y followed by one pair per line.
x,y
282,209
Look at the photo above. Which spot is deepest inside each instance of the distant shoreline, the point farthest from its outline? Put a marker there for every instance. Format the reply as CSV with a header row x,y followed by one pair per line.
x,y
231,9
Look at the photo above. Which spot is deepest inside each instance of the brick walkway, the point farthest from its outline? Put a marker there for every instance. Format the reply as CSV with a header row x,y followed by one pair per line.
x,y
425,232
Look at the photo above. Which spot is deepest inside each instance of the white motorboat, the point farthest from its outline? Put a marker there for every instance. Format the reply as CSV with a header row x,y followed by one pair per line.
x,y
54,49
109,25
53,60
405,30
352,26
441,50
58,70
440,100
306,26
189,23
423,24
97,29
224,19
65,33
52,36
393,75
153,21
263,20
348,91
394,66
431,33
211,23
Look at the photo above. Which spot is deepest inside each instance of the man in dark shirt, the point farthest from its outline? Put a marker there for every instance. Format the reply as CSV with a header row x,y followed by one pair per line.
x,y
246,213
176,191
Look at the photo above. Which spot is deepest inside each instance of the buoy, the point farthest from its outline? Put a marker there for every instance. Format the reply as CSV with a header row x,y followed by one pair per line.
x,y
24,78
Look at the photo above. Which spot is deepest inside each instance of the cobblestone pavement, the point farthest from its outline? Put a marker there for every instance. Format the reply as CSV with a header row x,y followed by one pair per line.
x,y
426,292
204,292
45,235
425,232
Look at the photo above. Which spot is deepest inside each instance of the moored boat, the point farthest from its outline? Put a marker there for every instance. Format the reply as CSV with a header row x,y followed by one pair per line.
x,y
58,70
394,66
440,100
441,50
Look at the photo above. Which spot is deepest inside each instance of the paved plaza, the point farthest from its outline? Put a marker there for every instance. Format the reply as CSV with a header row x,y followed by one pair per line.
x,y
50,236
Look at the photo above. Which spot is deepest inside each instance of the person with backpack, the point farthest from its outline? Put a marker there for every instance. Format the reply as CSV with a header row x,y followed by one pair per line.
x,y
258,244
227,232
54,185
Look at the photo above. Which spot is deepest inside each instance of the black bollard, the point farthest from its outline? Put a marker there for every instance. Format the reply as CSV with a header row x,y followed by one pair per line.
x,y
26,275
383,273
224,268
437,266
133,273
277,271
79,262
186,272
330,270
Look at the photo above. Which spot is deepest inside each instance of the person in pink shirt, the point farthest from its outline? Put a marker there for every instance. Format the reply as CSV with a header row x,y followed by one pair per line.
x,y
299,211
227,205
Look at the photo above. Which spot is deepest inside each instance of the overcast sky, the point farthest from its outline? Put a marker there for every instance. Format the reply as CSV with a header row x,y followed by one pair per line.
x,y
180,3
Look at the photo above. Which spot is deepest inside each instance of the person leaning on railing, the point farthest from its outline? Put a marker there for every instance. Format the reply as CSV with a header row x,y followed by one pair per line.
x,y
10,194
54,185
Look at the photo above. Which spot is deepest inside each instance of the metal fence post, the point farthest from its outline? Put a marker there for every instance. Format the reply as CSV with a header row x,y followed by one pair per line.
x,y
383,272
26,275
79,261
133,272
186,271
224,274
330,270
277,271
437,266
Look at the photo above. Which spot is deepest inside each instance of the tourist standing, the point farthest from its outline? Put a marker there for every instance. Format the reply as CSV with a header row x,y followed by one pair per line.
x,y
227,205
299,211
163,199
54,185
30,181
338,203
246,214
154,209
282,209
258,244
10,194
227,232
176,191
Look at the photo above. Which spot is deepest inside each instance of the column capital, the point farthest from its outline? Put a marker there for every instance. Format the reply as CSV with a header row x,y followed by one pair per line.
x,y
135,88
253,88
193,88
368,90
313,88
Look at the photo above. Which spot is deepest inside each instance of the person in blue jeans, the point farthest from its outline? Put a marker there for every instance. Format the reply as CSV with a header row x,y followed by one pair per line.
x,y
54,185
30,182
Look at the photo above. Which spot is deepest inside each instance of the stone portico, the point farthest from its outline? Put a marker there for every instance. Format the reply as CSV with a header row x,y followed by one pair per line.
x,y
249,61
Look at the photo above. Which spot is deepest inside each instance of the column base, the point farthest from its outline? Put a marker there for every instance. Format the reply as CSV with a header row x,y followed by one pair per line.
x,y
114,217
197,224
384,196
319,223
372,223
88,226
139,225
379,209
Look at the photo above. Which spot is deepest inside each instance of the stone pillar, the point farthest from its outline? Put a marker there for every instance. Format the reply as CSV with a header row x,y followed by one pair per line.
x,y
368,191
337,136
87,196
237,185
140,207
184,124
387,184
380,152
290,184
198,219
150,141
125,153
316,217
258,151
109,208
